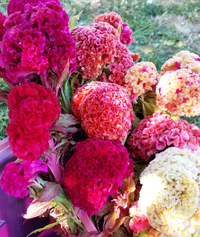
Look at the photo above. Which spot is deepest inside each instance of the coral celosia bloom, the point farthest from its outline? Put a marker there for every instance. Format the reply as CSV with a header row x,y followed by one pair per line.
x,y
169,196
33,110
157,132
36,41
114,19
2,19
17,176
94,171
183,59
140,78
96,46
178,92
106,111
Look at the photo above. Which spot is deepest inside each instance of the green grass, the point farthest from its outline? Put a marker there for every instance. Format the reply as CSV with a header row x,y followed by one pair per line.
x,y
156,37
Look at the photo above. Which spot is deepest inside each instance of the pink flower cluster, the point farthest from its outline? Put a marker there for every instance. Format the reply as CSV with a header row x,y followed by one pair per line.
x,y
33,110
95,170
36,41
114,19
2,19
157,132
105,110
17,176
18,5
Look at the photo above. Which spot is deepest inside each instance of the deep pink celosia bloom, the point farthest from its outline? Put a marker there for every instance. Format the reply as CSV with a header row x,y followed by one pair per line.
x,y
157,132
96,46
18,5
114,19
36,41
17,176
2,19
106,112
139,221
94,171
33,110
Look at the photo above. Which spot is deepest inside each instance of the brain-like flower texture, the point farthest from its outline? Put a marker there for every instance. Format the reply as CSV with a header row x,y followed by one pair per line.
x,y
36,41
178,92
2,19
183,59
140,78
33,110
157,132
105,110
114,19
169,196
17,176
95,170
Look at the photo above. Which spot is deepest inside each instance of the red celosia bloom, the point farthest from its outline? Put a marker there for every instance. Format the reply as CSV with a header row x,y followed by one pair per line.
x,y
16,177
18,5
2,19
33,110
96,46
157,132
114,19
37,40
139,221
106,111
94,171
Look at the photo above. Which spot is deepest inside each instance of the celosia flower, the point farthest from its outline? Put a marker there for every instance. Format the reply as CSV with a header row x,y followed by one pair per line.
x,y
157,132
140,78
17,177
178,92
96,46
171,183
18,5
33,110
94,171
2,19
139,221
114,19
37,40
80,95
183,59
106,112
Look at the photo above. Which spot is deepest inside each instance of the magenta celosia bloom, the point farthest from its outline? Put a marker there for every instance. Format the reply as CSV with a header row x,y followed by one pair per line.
x,y
33,110
96,46
18,5
106,111
139,221
114,19
2,19
157,132
37,40
17,176
94,171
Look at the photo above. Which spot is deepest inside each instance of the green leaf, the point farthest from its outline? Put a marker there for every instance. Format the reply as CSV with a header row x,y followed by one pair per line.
x,y
74,18
73,225
63,198
119,29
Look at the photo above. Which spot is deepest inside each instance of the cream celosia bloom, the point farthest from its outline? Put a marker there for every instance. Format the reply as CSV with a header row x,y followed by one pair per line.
x,y
170,192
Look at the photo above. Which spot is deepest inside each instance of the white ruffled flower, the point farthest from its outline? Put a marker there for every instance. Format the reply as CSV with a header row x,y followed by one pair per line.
x,y
170,194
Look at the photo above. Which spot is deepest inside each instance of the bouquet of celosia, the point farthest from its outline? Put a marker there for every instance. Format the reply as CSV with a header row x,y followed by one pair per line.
x,y
99,144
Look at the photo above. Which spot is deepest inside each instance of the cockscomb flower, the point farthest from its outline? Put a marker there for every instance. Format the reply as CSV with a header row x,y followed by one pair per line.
x,y
114,19
2,19
169,196
94,171
183,59
106,112
18,5
96,46
17,177
178,92
33,110
37,40
159,131
80,95
140,78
